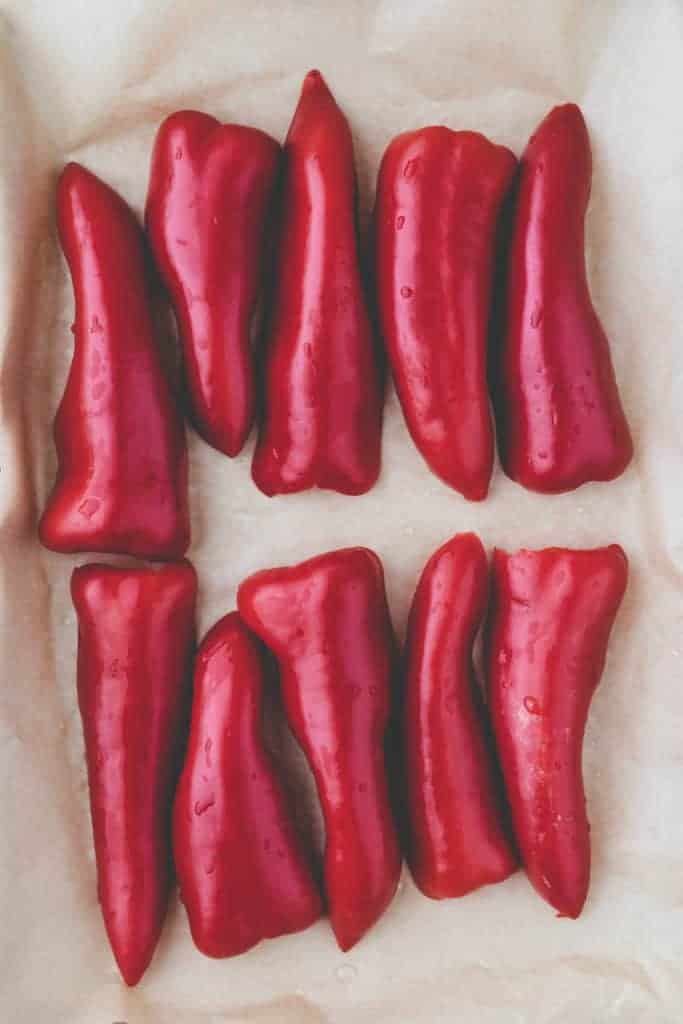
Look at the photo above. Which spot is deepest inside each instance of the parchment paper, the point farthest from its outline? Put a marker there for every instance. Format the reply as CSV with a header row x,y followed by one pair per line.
x,y
91,81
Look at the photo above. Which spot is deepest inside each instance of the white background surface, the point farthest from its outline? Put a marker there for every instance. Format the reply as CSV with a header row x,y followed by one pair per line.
x,y
91,81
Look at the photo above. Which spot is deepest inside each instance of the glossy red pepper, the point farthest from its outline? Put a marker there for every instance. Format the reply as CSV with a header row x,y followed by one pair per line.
x,y
326,620
458,839
209,196
323,389
122,478
439,196
551,616
135,645
242,871
560,420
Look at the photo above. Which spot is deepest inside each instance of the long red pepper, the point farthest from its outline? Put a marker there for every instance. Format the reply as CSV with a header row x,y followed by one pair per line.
x,y
209,195
458,840
243,874
122,478
560,420
135,644
327,622
439,195
552,612
323,388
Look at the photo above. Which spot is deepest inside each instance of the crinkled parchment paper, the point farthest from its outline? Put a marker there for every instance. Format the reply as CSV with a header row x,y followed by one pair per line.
x,y
91,82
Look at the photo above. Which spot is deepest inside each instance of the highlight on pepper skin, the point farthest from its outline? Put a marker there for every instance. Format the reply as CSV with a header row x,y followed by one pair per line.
x,y
550,620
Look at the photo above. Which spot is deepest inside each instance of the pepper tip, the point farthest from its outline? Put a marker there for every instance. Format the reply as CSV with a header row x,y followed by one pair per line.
x,y
72,173
568,112
314,82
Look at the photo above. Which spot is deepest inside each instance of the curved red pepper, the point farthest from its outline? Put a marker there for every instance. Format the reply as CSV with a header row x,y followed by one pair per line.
x,y
439,195
327,622
122,478
242,871
560,420
458,841
135,645
324,391
208,198
552,612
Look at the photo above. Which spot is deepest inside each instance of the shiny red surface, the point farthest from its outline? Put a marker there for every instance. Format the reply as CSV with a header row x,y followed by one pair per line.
x,y
457,838
242,871
327,622
439,194
122,478
560,420
209,194
552,612
135,645
323,385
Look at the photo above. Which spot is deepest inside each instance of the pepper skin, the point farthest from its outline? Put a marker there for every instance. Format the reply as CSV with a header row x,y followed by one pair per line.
x,y
327,622
439,195
323,385
551,616
560,420
122,478
242,871
458,840
135,645
209,195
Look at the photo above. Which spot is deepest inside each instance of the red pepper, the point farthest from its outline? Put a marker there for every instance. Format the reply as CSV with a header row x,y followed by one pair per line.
x,y
135,645
560,420
327,622
439,195
208,198
458,840
324,390
552,612
242,871
122,478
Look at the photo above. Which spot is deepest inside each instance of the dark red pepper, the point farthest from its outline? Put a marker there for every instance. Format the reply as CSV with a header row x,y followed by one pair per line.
x,y
326,620
458,839
551,616
439,195
135,646
243,874
209,195
560,420
323,389
122,478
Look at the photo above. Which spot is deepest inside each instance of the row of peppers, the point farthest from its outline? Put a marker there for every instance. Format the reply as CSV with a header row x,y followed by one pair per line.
x,y
400,748
451,207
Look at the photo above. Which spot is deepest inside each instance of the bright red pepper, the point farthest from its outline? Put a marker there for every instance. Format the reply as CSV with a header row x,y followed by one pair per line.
x,y
439,195
560,420
552,612
135,645
209,195
458,839
327,622
242,871
122,478
323,389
